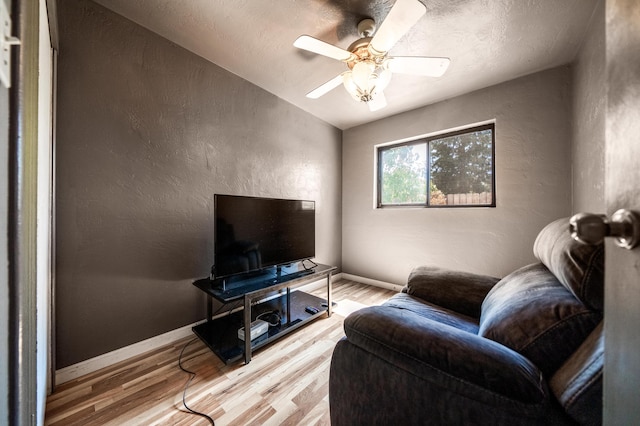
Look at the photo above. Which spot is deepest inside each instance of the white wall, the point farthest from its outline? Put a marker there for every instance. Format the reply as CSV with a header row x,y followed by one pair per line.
x,y
533,143
589,107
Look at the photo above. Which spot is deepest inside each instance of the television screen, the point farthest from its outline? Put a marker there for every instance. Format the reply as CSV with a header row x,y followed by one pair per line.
x,y
255,233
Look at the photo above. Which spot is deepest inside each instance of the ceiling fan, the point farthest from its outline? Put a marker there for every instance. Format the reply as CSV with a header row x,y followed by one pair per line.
x,y
370,66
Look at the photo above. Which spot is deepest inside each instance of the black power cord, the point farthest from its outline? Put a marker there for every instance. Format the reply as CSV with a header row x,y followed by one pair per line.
x,y
273,318
186,386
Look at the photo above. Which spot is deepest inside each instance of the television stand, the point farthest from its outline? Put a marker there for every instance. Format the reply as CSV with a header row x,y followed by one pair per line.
x,y
268,291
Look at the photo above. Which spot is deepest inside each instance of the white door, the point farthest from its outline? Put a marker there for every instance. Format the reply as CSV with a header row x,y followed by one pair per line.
x,y
622,190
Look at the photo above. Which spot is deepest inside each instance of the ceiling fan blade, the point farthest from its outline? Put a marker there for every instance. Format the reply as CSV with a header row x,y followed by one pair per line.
x,y
419,65
320,47
402,16
378,102
326,87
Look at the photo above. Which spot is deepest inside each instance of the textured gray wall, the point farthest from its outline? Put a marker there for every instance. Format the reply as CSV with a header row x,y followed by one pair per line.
x,y
147,133
589,107
533,184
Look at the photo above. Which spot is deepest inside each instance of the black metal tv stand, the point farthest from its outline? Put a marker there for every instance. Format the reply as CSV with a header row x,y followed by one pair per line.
x,y
260,293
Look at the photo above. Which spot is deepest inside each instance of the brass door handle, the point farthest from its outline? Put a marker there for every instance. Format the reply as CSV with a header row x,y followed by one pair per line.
x,y
624,226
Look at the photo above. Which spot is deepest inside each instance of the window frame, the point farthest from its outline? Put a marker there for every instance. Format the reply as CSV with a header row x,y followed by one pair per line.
x,y
427,140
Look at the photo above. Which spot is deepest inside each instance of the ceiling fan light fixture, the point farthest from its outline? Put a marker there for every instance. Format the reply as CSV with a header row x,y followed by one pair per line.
x,y
357,92
366,80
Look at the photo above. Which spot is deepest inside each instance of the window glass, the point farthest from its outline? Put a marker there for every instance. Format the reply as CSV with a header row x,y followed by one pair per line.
x,y
450,170
404,174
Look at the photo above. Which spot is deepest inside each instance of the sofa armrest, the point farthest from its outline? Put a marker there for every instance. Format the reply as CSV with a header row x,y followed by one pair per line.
x,y
461,292
446,356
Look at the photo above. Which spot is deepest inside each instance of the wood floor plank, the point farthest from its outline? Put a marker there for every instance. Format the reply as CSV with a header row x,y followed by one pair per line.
x,y
286,382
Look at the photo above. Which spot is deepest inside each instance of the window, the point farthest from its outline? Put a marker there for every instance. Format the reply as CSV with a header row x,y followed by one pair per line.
x,y
449,170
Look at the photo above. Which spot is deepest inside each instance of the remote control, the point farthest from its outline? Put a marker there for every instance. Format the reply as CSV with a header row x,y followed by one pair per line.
x,y
312,310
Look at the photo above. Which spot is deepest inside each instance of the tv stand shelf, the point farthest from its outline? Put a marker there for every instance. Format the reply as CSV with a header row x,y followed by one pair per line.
x,y
258,294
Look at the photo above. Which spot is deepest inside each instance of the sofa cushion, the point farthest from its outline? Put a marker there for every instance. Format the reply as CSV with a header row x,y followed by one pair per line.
x,y
459,291
578,383
434,312
530,312
447,357
579,267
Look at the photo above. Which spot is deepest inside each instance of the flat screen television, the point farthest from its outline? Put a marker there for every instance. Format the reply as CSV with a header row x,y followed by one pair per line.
x,y
252,233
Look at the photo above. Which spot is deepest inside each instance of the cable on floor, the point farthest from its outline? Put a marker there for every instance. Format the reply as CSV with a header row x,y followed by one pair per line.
x,y
186,386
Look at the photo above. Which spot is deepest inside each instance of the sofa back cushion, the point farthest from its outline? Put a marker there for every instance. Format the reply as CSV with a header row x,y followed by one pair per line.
x,y
579,267
531,312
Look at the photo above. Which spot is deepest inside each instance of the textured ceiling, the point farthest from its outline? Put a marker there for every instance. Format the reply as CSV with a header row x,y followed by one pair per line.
x,y
488,41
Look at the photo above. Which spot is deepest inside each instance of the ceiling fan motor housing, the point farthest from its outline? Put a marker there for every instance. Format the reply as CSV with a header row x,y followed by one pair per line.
x,y
360,50
366,27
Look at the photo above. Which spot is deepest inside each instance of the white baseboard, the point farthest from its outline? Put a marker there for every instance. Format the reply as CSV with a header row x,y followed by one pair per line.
x,y
93,364
101,361
369,281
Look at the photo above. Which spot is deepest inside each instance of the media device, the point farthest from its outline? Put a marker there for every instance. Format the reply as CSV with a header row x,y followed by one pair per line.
x,y
253,234
258,328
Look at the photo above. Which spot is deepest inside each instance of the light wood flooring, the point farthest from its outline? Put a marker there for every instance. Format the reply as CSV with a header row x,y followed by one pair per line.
x,y
285,382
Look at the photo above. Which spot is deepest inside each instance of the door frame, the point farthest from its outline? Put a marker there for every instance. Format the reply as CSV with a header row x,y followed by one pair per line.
x,y
22,220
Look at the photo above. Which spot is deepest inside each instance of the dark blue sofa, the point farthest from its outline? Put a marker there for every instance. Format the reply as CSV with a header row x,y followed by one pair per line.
x,y
457,348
